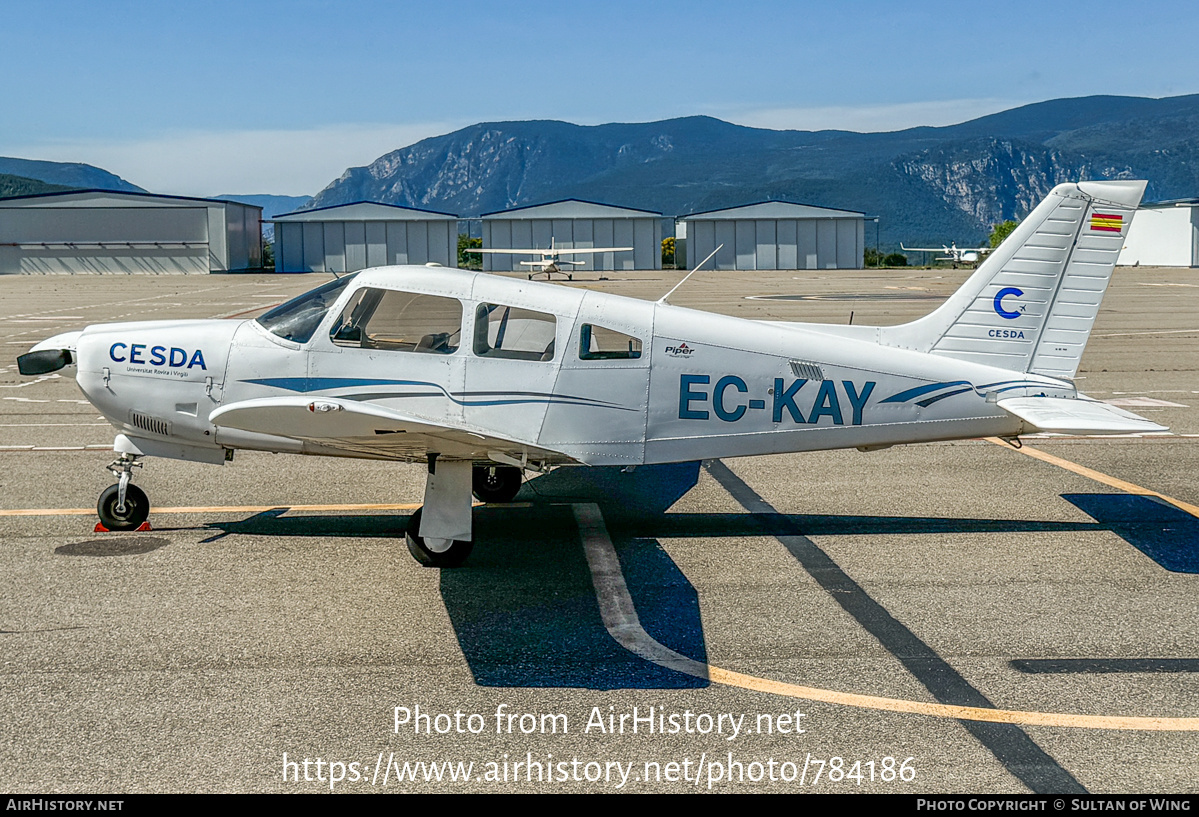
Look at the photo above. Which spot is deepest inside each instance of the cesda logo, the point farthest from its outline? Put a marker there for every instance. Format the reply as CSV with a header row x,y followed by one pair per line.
x,y
999,308
174,358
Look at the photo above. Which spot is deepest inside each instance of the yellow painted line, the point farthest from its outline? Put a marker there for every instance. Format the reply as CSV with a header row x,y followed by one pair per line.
x,y
968,713
622,623
404,506
1098,476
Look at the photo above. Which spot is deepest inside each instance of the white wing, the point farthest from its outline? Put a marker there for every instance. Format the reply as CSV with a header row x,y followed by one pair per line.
x,y
336,424
585,250
512,252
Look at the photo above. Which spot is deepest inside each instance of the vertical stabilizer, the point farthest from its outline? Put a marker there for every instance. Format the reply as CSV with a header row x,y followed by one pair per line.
x,y
1031,304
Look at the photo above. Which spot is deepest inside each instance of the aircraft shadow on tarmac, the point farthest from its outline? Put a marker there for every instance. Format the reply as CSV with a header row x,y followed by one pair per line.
x,y
524,609
1167,535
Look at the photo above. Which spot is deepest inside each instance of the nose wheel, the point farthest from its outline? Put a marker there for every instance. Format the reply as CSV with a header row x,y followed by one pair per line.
x,y
129,515
123,506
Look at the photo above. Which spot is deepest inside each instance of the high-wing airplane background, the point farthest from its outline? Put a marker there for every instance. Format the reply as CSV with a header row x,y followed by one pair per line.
x,y
952,252
551,259
484,377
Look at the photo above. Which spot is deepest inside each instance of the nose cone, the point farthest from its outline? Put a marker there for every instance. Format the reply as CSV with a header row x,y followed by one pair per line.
x,y
67,340
50,355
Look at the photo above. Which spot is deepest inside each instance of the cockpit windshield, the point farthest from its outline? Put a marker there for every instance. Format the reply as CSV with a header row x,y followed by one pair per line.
x,y
297,319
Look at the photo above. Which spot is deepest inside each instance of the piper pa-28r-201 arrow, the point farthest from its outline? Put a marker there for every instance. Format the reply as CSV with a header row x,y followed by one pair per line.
x,y
952,252
551,260
483,377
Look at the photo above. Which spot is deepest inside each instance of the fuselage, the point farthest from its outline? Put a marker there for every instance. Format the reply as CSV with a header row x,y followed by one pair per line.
x,y
585,376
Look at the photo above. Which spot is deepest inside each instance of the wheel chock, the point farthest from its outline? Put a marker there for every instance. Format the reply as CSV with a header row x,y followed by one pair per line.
x,y
143,528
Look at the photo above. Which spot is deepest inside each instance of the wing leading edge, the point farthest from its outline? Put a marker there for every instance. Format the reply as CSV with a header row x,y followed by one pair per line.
x,y
365,429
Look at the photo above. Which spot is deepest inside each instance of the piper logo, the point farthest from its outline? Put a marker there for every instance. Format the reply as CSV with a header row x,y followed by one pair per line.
x,y
682,350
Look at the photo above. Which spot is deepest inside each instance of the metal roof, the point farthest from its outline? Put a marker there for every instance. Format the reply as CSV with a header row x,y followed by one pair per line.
x,y
363,211
572,208
149,199
772,210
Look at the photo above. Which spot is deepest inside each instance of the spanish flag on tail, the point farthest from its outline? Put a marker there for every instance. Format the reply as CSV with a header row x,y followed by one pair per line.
x,y
1107,223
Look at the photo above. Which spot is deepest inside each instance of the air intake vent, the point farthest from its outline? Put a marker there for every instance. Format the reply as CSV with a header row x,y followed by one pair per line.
x,y
148,423
807,371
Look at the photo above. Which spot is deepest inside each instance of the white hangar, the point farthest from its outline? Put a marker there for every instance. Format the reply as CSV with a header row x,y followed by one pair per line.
x,y
575,224
1165,234
349,237
776,235
117,231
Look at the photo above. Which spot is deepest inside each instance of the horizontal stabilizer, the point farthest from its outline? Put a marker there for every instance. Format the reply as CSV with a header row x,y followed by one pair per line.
x,y
1062,415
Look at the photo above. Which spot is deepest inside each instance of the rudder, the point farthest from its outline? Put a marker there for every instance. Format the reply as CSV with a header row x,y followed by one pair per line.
x,y
1031,304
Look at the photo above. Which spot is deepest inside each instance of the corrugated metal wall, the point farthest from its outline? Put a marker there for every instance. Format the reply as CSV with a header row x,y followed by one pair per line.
x,y
644,235
108,239
767,244
346,246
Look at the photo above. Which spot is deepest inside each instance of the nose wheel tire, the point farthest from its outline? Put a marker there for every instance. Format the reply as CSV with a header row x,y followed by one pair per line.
x,y
495,483
435,552
135,512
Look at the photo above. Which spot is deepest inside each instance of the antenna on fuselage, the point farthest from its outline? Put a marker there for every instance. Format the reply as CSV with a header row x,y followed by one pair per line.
x,y
662,300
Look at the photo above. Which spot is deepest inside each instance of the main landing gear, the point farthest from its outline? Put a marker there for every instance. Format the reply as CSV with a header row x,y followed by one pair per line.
x,y
123,506
439,532
495,483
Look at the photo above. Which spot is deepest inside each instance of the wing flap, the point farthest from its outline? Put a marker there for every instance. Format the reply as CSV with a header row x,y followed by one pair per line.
x,y
1063,415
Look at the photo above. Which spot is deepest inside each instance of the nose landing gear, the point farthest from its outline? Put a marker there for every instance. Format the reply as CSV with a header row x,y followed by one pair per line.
x,y
123,506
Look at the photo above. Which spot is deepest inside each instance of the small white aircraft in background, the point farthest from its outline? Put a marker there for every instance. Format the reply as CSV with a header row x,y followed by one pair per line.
x,y
551,259
484,377
954,253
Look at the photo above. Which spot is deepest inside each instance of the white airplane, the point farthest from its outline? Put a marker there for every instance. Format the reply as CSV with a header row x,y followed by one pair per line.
x,y
954,253
551,259
483,377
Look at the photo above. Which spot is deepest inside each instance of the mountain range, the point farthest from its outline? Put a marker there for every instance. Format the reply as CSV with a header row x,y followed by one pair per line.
x,y
926,184
67,174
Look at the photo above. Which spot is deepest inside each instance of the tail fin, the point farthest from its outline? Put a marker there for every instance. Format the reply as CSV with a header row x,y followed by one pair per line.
x,y
1031,304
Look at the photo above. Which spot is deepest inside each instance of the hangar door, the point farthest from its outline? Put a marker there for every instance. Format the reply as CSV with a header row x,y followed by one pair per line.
x,y
104,239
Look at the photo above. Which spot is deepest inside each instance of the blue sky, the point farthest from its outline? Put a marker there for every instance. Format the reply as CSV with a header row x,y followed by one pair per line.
x,y
202,98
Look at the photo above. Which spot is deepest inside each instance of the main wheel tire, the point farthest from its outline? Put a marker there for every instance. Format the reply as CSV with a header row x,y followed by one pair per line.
x,y
495,483
452,554
137,508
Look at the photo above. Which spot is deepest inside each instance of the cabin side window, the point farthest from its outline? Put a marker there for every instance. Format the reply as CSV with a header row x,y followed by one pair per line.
x,y
601,343
400,321
514,333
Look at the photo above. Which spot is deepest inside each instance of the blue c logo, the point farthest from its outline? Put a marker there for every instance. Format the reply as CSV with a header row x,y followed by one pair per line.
x,y
1000,295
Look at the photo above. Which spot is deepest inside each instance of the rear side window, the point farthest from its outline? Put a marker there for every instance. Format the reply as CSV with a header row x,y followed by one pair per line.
x,y
601,343
400,321
514,333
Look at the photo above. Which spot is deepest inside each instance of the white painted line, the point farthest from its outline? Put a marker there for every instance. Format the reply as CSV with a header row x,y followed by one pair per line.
x,y
1162,332
615,603
48,425
1142,401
